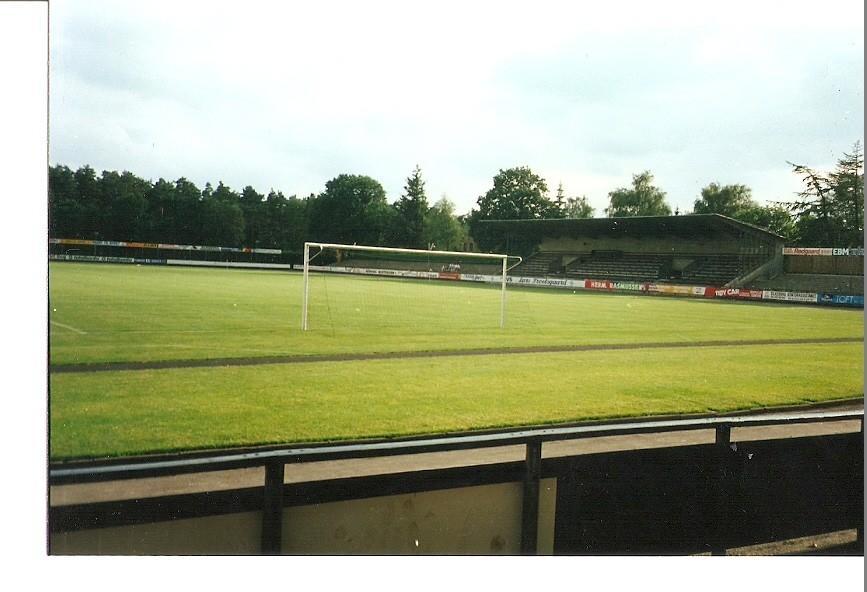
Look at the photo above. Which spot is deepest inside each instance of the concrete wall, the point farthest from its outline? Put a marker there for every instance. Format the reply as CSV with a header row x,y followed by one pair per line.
x,y
477,520
232,534
836,265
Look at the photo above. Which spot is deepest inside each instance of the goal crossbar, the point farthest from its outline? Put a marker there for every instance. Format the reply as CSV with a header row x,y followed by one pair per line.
x,y
322,246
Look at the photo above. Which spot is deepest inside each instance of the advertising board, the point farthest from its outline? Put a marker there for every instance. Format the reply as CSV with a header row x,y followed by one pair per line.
x,y
613,285
824,251
790,296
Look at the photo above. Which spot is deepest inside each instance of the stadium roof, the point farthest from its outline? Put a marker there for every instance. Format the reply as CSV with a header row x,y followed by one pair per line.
x,y
686,226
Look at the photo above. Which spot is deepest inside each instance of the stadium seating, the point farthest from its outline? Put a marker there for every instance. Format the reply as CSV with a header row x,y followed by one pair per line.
x,y
540,264
617,266
717,270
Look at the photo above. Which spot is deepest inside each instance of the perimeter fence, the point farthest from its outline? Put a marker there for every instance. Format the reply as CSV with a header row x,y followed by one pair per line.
x,y
679,498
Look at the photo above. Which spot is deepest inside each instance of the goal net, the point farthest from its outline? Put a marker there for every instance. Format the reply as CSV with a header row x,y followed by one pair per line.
x,y
376,287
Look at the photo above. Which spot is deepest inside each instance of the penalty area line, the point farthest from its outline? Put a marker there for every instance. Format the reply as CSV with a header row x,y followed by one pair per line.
x,y
70,327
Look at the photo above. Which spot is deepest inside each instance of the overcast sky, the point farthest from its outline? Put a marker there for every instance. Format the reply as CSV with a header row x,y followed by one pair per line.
x,y
289,95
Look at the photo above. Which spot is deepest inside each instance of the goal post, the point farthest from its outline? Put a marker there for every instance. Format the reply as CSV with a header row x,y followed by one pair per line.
x,y
314,249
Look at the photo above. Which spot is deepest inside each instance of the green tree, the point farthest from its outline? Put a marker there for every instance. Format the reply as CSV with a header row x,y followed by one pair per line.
x,y
572,207
578,207
813,209
283,222
518,194
161,207
221,223
221,220
829,209
774,217
735,201
251,202
270,224
186,206
643,199
727,200
442,229
88,198
66,215
381,219
352,209
847,182
409,221
293,224
124,205
225,193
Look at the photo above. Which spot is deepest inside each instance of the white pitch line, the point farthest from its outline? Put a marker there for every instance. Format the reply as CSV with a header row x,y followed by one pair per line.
x,y
79,331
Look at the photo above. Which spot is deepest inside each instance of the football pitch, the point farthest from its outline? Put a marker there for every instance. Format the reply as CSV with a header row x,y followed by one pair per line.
x,y
387,358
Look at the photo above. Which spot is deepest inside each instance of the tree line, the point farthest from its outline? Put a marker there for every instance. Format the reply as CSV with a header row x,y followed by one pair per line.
x,y
351,209
828,211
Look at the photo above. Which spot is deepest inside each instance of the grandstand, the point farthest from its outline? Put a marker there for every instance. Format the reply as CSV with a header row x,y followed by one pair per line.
x,y
701,249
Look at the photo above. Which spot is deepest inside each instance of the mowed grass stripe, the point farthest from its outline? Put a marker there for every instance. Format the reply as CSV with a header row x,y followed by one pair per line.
x,y
126,413
264,360
152,314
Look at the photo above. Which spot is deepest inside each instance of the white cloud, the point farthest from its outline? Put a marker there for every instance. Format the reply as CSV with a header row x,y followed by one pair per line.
x,y
288,95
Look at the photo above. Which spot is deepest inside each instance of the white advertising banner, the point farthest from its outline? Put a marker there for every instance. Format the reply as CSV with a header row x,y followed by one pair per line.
x,y
546,282
404,273
244,264
824,251
675,289
790,296
479,277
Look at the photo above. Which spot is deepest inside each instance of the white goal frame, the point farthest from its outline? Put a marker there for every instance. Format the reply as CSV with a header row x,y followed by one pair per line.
x,y
323,246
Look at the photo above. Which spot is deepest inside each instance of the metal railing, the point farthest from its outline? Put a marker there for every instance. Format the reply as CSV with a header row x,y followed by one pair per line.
x,y
274,460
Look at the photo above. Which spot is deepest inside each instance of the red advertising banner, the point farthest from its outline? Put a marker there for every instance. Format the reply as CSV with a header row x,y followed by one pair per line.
x,y
448,275
742,293
609,285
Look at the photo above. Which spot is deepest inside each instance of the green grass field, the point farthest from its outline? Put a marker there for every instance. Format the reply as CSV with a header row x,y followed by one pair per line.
x,y
117,313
